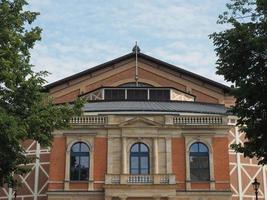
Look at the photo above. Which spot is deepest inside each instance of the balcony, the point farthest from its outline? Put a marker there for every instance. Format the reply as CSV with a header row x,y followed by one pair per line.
x,y
140,179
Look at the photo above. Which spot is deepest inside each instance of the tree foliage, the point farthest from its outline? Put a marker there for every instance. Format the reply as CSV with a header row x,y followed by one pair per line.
x,y
26,111
242,60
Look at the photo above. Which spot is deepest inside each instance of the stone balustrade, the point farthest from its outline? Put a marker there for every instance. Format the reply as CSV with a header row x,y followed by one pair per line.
x,y
140,179
89,120
169,120
199,120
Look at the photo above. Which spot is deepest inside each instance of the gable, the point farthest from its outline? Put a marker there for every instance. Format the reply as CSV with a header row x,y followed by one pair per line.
x,y
150,71
140,122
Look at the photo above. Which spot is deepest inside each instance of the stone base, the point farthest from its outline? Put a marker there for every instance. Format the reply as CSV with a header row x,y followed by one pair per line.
x,y
140,194
75,195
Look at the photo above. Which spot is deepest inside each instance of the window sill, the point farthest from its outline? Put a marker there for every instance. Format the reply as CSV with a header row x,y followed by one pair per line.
x,y
199,181
77,181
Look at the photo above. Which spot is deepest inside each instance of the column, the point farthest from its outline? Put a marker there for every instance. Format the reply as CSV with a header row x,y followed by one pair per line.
x,y
124,156
109,163
168,156
67,170
156,155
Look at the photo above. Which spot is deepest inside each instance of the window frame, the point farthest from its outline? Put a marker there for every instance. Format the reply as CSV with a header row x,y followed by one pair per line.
x,y
198,154
79,154
139,155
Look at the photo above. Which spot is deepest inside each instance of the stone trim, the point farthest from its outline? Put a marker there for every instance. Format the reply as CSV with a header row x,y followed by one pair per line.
x,y
71,140
189,140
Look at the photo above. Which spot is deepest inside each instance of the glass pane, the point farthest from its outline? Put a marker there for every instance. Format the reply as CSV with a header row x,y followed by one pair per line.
x,y
161,95
134,162
74,168
84,174
143,148
144,162
84,147
135,148
84,162
144,171
136,94
203,162
199,168
134,171
75,147
74,161
194,147
193,162
204,174
194,174
114,94
202,148
74,174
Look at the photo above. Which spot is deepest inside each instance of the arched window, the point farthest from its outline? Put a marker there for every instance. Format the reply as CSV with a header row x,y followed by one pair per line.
x,y
199,162
133,84
79,162
139,159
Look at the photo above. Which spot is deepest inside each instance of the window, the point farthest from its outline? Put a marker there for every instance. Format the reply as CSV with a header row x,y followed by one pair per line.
x,y
136,94
79,162
161,95
114,94
133,84
139,159
199,162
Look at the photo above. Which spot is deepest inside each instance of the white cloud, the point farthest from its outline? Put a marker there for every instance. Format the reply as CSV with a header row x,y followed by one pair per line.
x,y
80,34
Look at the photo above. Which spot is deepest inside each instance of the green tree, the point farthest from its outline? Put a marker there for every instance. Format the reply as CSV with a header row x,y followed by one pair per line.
x,y
242,60
26,111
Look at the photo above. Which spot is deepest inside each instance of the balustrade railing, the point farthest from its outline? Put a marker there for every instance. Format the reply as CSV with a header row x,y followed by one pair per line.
x,y
140,179
89,120
198,120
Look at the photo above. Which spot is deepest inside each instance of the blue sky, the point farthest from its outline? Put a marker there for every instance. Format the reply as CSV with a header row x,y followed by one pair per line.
x,y
79,34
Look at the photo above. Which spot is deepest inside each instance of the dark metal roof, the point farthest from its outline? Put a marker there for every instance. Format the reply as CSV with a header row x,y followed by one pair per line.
x,y
146,57
155,106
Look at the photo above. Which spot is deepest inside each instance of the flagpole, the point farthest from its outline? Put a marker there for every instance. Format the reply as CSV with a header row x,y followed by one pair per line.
x,y
136,64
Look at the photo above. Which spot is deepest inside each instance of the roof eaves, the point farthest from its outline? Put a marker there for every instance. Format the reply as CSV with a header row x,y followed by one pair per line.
x,y
178,69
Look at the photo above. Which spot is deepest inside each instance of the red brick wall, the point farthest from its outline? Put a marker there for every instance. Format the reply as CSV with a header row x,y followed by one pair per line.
x,y
57,162
201,97
178,161
100,158
221,162
71,96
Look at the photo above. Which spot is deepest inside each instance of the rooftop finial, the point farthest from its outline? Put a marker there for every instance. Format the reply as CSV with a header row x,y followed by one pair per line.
x,y
136,48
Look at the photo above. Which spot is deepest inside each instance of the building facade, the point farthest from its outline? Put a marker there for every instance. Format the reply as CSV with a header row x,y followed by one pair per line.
x,y
149,130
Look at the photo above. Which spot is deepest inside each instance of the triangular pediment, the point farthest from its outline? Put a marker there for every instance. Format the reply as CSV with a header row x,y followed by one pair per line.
x,y
91,72
151,71
140,122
